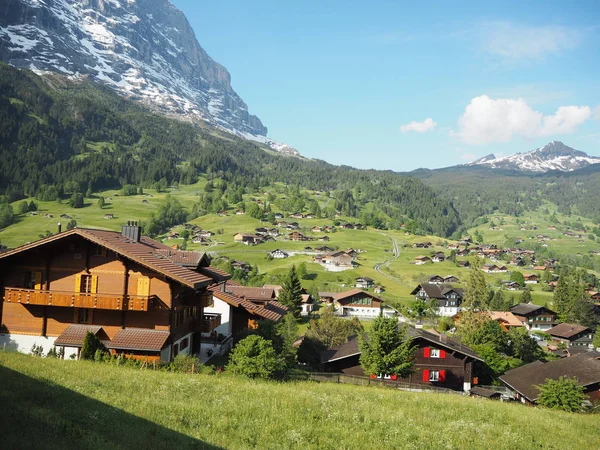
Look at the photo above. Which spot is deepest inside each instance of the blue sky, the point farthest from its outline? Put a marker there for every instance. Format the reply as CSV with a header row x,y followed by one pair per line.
x,y
356,82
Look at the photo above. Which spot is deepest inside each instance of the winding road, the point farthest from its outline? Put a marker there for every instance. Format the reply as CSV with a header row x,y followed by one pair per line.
x,y
387,262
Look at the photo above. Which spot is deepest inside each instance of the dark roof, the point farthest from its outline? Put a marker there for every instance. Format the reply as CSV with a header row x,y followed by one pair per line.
x,y
139,339
215,273
73,336
584,366
437,291
567,330
482,392
352,292
351,348
523,309
147,252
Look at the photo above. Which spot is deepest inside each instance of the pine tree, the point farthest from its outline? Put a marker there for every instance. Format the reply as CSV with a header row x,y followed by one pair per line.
x,y
525,296
291,292
387,351
476,293
498,303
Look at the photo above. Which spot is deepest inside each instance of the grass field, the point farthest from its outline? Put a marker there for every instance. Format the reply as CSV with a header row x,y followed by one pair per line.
x,y
66,404
377,245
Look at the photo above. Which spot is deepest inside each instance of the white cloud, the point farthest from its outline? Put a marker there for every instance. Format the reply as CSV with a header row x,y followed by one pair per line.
x,y
488,120
514,42
420,127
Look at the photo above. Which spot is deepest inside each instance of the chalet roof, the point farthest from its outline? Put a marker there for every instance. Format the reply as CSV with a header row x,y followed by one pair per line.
x,y
271,311
352,292
276,288
584,366
140,339
567,330
437,291
524,309
509,318
147,252
256,293
328,294
351,348
73,336
184,258
215,273
483,392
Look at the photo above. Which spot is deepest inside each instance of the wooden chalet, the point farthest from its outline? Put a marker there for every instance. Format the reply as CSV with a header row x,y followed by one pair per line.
x,y
139,296
247,239
447,297
572,335
535,317
524,381
357,302
506,319
438,361
420,260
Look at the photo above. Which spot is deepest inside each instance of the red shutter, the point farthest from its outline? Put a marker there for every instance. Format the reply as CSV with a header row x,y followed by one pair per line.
x,y
373,375
442,353
425,375
427,352
394,377
442,375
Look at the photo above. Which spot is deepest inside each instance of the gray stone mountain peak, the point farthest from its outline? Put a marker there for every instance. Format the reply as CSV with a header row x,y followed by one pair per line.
x,y
553,156
144,49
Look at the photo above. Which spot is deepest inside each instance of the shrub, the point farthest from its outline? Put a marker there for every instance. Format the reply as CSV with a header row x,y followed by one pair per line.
x,y
91,344
254,357
564,394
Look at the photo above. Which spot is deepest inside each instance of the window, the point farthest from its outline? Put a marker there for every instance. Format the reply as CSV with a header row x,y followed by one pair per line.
x,y
179,317
99,251
84,315
435,353
434,375
183,344
33,280
175,350
86,284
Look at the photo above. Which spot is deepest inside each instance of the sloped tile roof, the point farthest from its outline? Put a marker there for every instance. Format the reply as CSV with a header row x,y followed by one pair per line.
x,y
147,252
139,339
567,330
73,336
272,310
525,379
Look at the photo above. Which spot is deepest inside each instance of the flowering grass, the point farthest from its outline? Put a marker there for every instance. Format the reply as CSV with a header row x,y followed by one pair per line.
x,y
65,404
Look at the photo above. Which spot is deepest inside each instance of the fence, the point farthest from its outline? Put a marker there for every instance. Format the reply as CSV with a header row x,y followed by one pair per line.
x,y
366,381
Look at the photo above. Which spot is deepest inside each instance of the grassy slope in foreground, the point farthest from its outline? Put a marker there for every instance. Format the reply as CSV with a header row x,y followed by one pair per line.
x,y
64,404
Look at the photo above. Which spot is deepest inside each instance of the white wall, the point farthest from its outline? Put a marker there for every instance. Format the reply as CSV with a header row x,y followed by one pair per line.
x,y
220,307
187,350
24,342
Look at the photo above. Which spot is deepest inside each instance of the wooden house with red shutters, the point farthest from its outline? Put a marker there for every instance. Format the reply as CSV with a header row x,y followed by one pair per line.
x,y
139,296
438,361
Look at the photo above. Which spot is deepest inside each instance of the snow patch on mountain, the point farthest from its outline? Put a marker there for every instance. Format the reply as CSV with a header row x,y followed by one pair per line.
x,y
552,156
144,49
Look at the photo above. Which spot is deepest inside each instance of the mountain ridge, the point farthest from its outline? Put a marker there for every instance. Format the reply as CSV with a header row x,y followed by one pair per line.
x,y
144,49
554,156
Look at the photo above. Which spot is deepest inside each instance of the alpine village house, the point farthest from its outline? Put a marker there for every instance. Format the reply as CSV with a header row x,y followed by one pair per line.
x,y
139,296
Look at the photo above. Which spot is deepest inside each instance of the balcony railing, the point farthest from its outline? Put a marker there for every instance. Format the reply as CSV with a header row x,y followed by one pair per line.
x,y
77,299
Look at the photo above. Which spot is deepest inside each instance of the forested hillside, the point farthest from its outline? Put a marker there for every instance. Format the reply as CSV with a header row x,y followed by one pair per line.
x,y
477,191
58,135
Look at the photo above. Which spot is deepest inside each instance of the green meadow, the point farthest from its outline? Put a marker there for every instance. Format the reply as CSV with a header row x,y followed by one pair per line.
x,y
85,405
399,277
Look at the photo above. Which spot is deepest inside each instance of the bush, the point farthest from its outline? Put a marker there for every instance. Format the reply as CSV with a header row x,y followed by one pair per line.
x,y
91,344
254,357
564,394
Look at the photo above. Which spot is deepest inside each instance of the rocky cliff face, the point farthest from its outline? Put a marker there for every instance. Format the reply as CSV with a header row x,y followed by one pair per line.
x,y
145,49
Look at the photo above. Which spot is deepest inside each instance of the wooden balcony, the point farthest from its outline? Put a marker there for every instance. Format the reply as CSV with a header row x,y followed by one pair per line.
x,y
77,299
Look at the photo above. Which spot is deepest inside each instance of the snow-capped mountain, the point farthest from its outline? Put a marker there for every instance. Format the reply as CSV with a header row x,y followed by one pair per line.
x,y
552,156
145,49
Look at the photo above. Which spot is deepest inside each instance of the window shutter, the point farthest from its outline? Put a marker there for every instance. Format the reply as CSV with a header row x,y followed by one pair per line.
x,y
442,375
373,376
78,282
394,377
442,353
425,375
94,284
38,281
143,286
427,351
